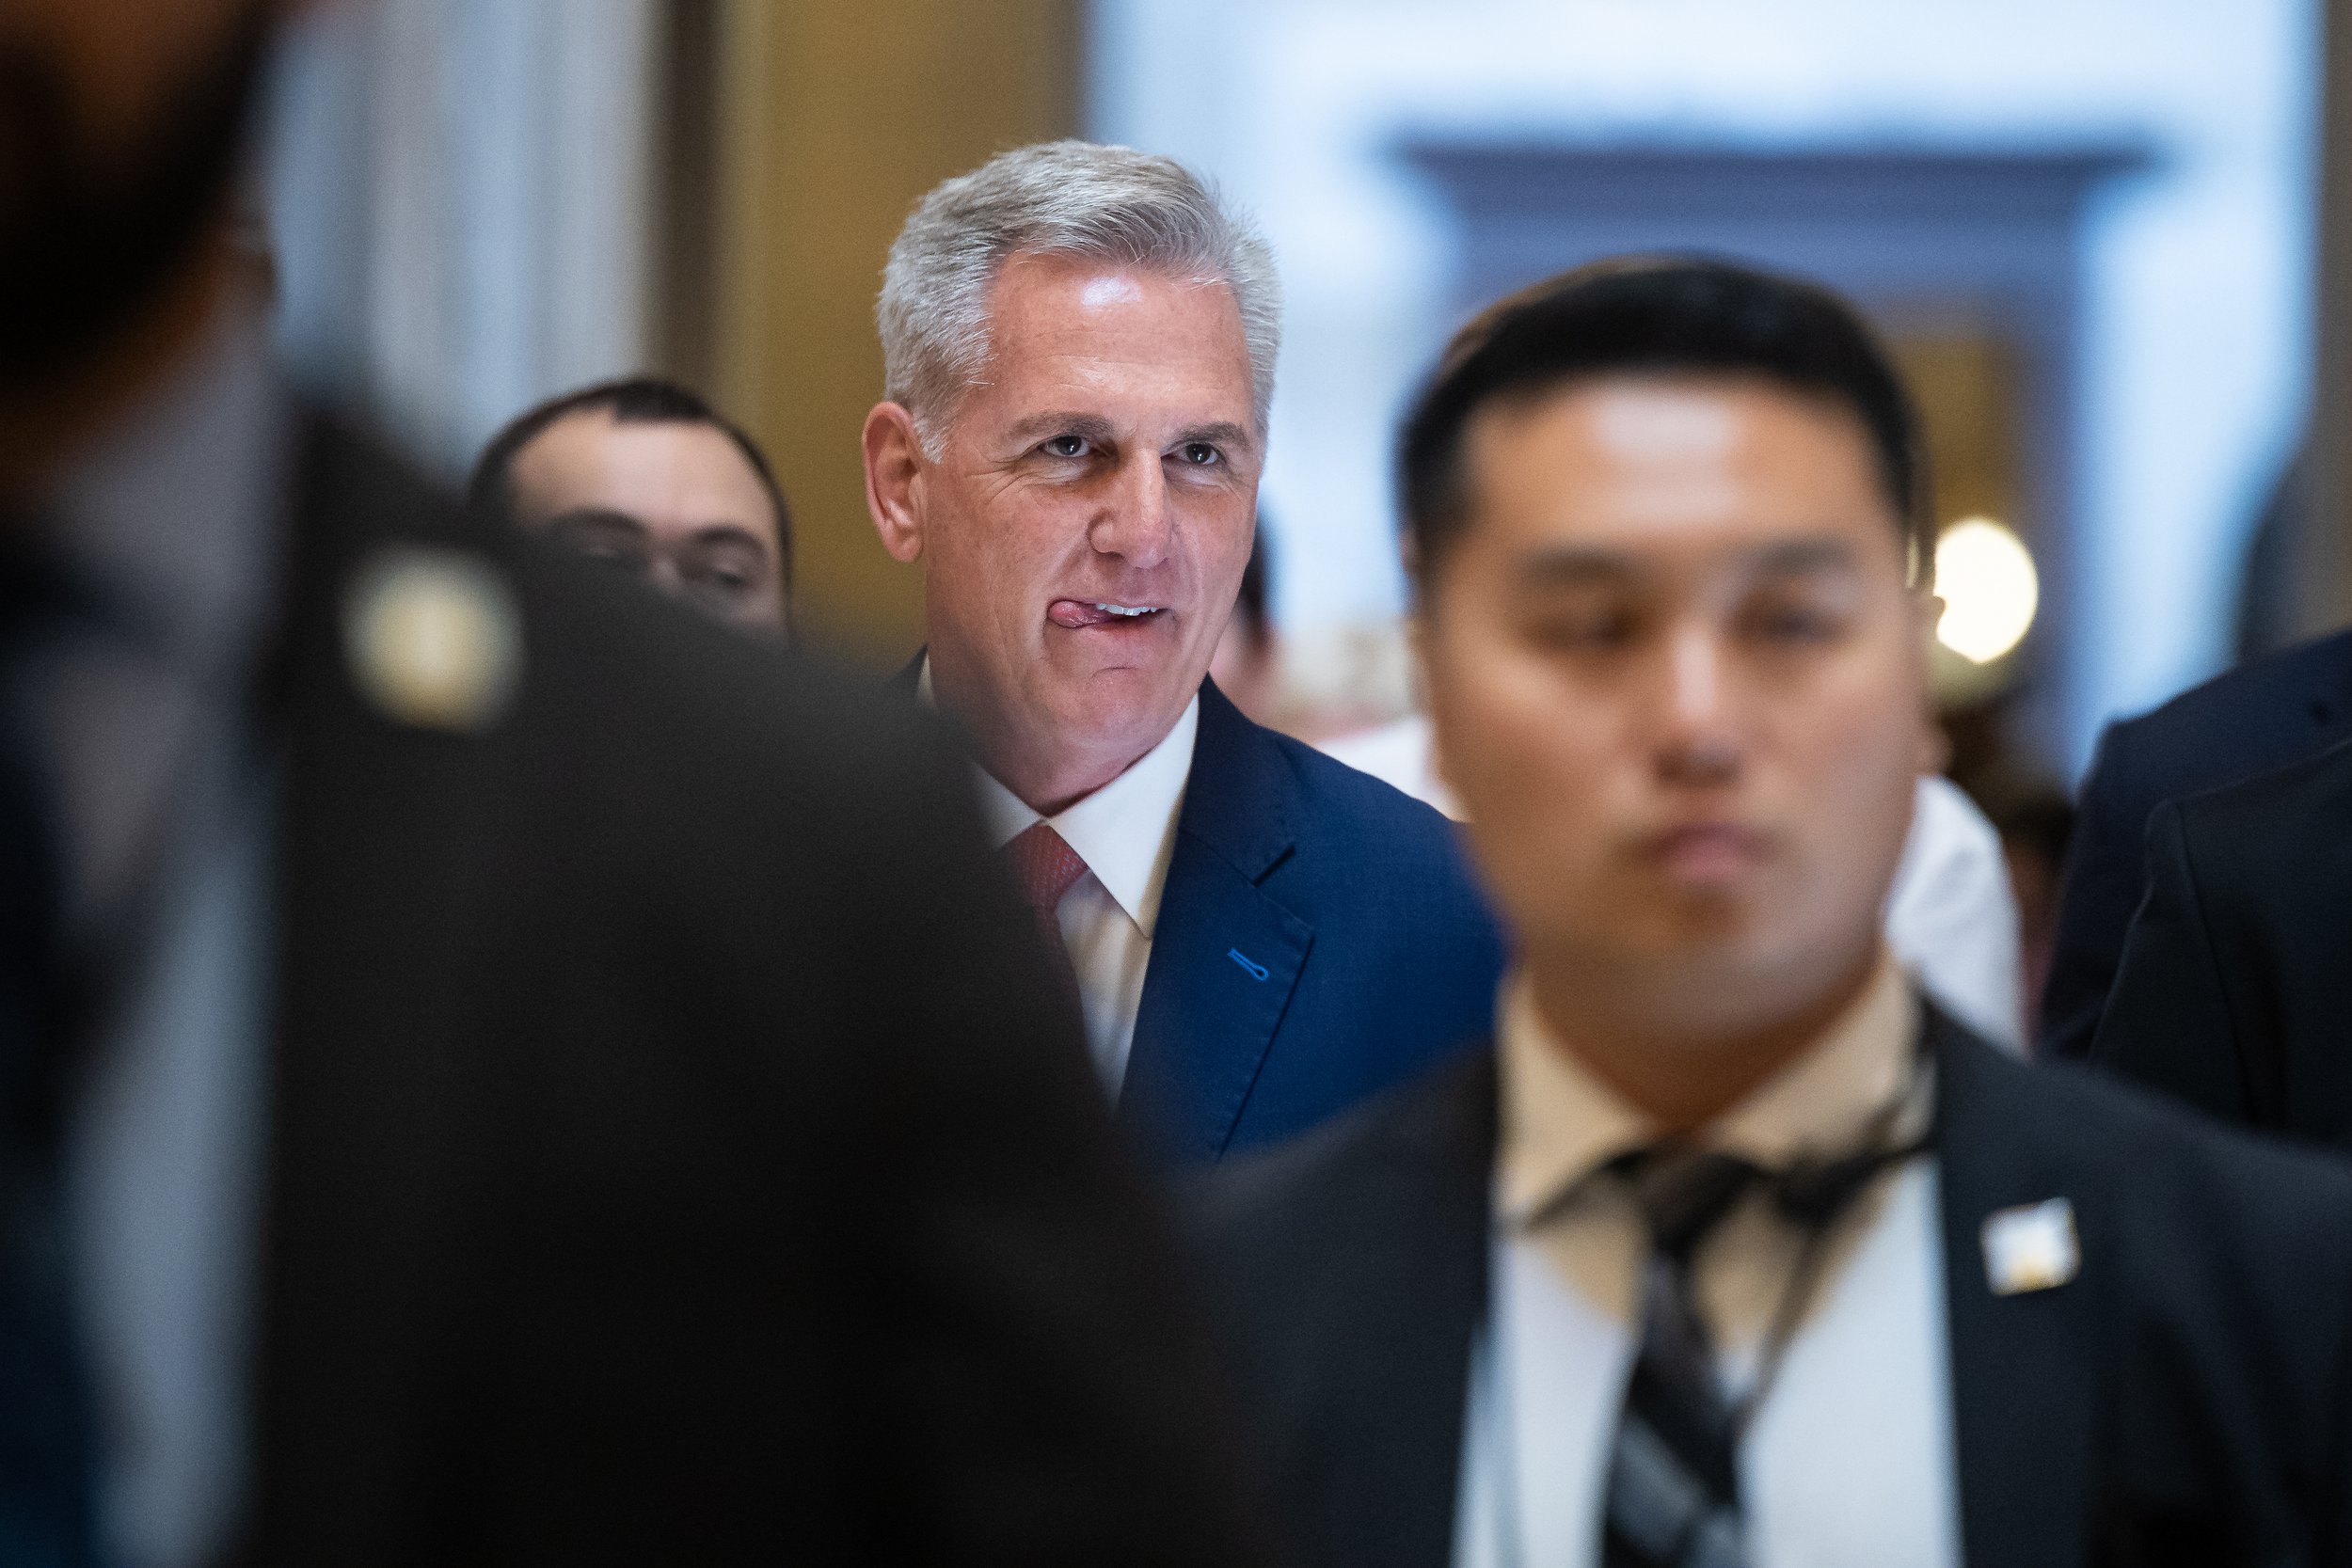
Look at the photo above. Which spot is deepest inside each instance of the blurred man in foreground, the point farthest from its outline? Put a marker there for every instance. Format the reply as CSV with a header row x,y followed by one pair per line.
x,y
1079,347
1737,1250
644,475
1950,920
492,1067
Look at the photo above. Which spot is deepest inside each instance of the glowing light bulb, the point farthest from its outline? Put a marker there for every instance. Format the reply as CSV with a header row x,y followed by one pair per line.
x,y
1990,589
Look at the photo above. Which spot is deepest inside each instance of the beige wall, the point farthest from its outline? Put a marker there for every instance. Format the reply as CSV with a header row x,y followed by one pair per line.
x,y
834,117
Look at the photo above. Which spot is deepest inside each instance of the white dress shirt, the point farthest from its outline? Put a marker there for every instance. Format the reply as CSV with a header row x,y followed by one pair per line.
x,y
1952,917
1126,834
1849,1464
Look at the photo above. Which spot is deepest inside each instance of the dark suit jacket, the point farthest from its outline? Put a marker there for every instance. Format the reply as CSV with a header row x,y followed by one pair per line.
x,y
1320,940
2183,1400
672,1157
2236,989
2262,716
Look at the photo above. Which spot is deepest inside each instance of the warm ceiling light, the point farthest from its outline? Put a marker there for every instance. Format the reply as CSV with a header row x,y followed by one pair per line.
x,y
1990,589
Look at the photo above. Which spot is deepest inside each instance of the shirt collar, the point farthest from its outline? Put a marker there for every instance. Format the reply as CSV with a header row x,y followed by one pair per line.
x,y
171,520
1560,1122
1125,831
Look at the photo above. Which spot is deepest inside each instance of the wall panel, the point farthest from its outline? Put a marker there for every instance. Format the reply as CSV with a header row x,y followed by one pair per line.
x,y
834,118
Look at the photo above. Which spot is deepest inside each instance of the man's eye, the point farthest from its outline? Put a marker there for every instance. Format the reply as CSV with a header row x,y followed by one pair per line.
x,y
1066,446
1599,629
1792,623
1199,454
615,553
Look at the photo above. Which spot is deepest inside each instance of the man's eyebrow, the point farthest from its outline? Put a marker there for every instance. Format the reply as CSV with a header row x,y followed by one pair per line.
x,y
1223,432
1091,427
729,533
1571,566
1796,557
597,516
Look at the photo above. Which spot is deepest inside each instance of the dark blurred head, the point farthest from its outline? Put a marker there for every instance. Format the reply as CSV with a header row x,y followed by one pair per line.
x,y
120,129
1664,515
646,474
1246,666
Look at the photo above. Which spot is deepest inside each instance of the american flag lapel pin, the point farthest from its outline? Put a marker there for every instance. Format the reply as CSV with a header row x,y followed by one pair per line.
x,y
2031,1248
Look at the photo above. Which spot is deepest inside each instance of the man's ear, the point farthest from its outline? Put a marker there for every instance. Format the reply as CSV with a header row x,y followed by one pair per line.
x,y
894,476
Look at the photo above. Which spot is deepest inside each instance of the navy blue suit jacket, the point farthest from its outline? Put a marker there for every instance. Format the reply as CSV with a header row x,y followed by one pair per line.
x,y
2262,715
1319,940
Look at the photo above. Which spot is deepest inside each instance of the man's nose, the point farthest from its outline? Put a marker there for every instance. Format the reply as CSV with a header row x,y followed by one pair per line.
x,y
1135,522
1698,743
662,573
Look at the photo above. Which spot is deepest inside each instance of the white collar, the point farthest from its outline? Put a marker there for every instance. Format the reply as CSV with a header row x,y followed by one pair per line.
x,y
1125,831
1560,1122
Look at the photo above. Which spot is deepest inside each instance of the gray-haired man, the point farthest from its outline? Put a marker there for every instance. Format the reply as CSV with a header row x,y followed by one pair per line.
x,y
1079,346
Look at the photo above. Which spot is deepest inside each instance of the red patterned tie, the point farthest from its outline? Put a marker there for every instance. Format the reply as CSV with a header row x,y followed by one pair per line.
x,y
1044,866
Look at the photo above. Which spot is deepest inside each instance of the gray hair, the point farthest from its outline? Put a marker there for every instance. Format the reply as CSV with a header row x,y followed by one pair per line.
x,y
1056,199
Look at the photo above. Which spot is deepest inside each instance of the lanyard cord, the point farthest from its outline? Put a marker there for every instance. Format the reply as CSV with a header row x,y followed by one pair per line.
x,y
1814,1195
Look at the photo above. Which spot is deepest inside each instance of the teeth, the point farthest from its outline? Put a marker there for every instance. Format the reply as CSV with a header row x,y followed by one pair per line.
x,y
1123,610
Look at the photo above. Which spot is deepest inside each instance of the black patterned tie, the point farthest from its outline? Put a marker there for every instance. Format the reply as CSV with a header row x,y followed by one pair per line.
x,y
45,1435
1673,1491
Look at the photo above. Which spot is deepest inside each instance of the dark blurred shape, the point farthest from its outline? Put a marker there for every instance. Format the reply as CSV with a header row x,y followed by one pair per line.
x,y
1249,663
89,231
676,1149
654,509
2266,608
2232,988
550,1081
2264,715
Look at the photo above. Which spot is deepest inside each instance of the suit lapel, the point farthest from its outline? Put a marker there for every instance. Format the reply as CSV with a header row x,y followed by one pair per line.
x,y
385,856
1225,955
2025,1367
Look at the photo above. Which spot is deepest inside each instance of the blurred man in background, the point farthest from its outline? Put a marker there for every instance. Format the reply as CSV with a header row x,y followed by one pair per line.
x,y
2234,987
1738,1250
2269,714
1247,665
1079,347
644,475
492,1068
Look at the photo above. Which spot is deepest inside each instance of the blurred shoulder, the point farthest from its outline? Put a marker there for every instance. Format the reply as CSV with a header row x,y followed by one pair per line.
x,y
2262,713
2274,835
1421,1137
2197,1187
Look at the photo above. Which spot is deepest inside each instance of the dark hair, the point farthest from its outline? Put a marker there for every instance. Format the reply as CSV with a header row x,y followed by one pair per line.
x,y
1656,316
631,400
